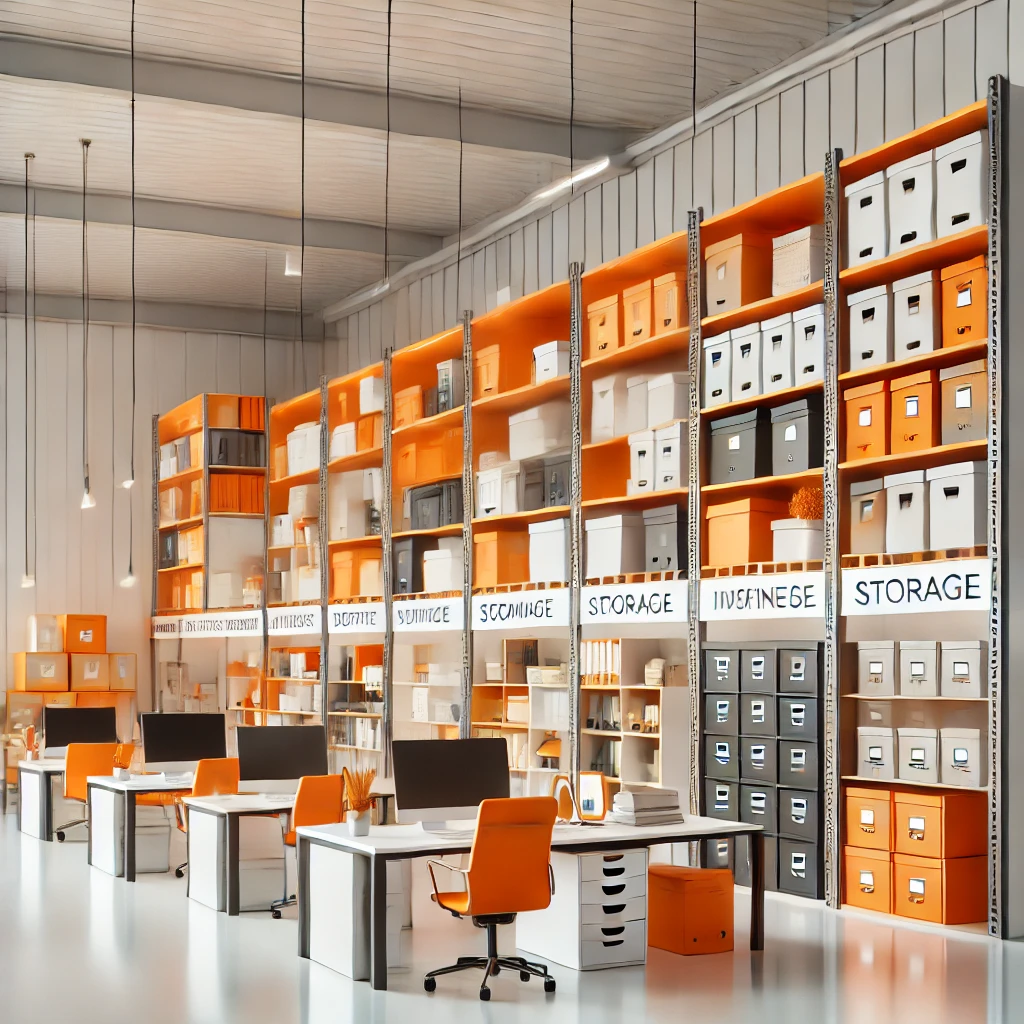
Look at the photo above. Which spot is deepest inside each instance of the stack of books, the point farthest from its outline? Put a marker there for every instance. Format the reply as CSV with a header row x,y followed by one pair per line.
x,y
646,807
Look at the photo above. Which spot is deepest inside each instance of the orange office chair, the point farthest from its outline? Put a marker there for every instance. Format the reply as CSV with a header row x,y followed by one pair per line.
x,y
215,776
318,801
83,760
509,872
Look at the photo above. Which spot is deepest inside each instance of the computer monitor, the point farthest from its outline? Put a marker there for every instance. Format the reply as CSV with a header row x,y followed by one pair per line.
x,y
174,742
62,726
272,758
445,780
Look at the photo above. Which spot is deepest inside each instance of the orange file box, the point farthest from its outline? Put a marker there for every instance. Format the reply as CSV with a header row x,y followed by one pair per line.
x,y
501,556
741,531
90,671
636,313
964,302
689,910
408,405
867,421
84,634
669,303
369,431
604,326
940,824
40,672
487,376
914,416
942,891
868,818
738,271
867,879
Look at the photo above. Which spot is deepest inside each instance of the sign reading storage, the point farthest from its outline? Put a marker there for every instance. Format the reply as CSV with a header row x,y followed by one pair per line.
x,y
521,609
625,603
954,585
784,595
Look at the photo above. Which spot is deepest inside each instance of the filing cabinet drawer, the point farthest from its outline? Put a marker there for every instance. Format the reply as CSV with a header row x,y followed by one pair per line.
x,y
611,914
799,868
601,867
759,759
721,800
757,671
940,825
614,890
798,764
722,673
798,719
757,715
622,944
868,818
867,879
718,853
798,671
759,806
721,714
722,758
798,814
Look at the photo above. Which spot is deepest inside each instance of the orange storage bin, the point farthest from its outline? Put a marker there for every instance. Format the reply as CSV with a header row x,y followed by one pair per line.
x,y
90,671
741,531
417,462
408,405
914,416
44,672
670,312
487,376
940,824
369,431
867,879
689,910
868,818
867,421
965,302
636,313
951,891
738,271
501,556
354,573
84,634
604,326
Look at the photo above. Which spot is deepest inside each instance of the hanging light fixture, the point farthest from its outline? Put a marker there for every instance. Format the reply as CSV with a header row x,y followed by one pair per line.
x,y
88,501
28,579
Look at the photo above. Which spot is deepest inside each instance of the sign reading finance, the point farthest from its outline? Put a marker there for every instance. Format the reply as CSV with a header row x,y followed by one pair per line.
x,y
945,586
784,595
626,603
304,620
355,618
521,609
432,614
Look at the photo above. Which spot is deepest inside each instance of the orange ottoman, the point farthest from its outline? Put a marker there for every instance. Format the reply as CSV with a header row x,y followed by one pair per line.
x,y
689,910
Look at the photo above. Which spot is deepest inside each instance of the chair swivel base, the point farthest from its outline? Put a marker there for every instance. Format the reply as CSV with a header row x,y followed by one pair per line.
x,y
59,833
278,905
179,871
492,965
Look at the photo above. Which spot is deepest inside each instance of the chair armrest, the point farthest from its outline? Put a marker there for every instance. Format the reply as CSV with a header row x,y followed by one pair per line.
x,y
551,878
431,864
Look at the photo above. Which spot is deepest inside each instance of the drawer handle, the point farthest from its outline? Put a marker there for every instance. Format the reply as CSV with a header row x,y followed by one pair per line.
x,y
610,857
867,888
870,829
614,908
613,931
611,872
614,942
612,890
915,899
916,835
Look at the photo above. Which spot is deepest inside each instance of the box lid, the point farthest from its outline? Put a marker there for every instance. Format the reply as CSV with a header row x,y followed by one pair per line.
x,y
801,408
776,321
967,267
636,289
917,281
912,732
538,412
875,730
957,469
978,138
636,381
550,347
673,276
875,387
814,233
490,537
487,352
913,476
913,380
602,304
867,295
864,852
550,526
866,486
453,545
670,432
350,428
436,554
626,521
869,182
745,331
609,383
962,645
741,421
817,525
661,515
818,309
919,645
911,796
718,339
642,437
974,366
912,162
662,379
746,505
734,242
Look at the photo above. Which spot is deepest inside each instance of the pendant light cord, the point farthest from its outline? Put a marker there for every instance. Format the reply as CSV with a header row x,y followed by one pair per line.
x,y
28,160
458,262
131,468
387,154
302,204
572,98
85,314
693,100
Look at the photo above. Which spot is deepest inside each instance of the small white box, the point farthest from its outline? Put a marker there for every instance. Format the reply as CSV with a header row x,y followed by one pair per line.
x,y
809,344
303,448
906,512
641,461
550,360
549,551
866,220
346,509
420,704
225,590
957,505
307,578
911,195
615,545
798,259
918,755
919,668
343,441
538,430
746,361
876,753
668,398
44,635
961,184
636,402
916,303
497,490
878,667
304,502
718,370
609,408
798,540
870,327
671,466
777,353
963,671
443,568
371,395
960,753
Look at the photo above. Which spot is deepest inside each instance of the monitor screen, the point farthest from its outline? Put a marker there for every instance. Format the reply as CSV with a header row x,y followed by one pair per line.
x,y
174,738
62,726
447,774
281,751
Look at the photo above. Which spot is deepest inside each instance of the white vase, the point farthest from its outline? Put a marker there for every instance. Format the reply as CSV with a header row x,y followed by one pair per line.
x,y
798,540
358,822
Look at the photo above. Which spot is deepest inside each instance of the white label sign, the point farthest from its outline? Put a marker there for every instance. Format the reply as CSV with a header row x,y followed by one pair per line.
x,y
222,624
635,602
784,595
523,608
297,621
432,614
165,627
943,586
355,618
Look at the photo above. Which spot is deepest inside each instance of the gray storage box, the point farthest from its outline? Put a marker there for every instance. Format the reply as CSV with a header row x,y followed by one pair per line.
x,y
876,753
957,505
799,868
878,667
722,799
798,764
759,759
722,671
665,539
964,390
798,718
798,814
918,755
798,436
867,517
964,669
757,671
798,671
906,512
758,806
919,668
545,482
722,714
722,758
757,715
741,874
960,752
741,447
408,556
435,505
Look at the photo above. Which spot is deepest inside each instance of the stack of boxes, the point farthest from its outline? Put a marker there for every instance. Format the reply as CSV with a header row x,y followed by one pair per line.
x,y
645,310
656,413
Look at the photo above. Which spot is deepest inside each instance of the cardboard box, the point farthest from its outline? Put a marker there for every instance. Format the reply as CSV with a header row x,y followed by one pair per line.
x,y
867,879
961,184
636,313
741,446
740,531
123,671
90,672
942,891
965,313
869,818
40,672
940,824
914,416
964,402
604,328
798,259
500,556
738,271
917,302
84,634
670,312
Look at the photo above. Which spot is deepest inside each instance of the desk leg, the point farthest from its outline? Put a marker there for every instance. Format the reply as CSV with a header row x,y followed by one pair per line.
x,y
45,808
231,862
129,836
378,923
757,890
302,892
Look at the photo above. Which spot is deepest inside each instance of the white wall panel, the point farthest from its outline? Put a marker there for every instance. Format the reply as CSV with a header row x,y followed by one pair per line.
x,y
1015,41
645,203
929,102
402,334
664,175
627,212
843,107
437,302
870,99
592,228
959,64
682,200
531,254
816,123
767,145
560,243
544,251
610,247
899,87
745,146
415,314
577,229
516,263
703,173
464,282
451,294
502,252
991,27
490,276
791,135
479,293
722,169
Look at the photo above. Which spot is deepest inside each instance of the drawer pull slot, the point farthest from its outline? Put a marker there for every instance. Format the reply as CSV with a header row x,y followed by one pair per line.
x,y
613,890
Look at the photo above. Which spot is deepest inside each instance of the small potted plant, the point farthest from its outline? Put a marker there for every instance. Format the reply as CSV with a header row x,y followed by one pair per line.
x,y
802,538
358,800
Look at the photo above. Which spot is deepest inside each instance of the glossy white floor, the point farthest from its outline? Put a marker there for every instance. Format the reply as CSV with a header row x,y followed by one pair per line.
x,y
79,946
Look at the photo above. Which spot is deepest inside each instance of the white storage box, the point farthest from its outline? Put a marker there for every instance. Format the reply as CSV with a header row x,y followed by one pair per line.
x,y
866,220
957,505
549,551
718,370
539,430
867,517
303,448
870,327
798,540
44,635
636,402
371,578
609,408
442,569
906,512
307,578
746,361
963,670
497,490
960,755
878,667
798,259
615,545
304,502
371,395
641,461
343,441
346,509
918,755
668,398
670,462
550,360
809,344
911,188
919,668
777,353
876,753
916,327
373,486
961,184
225,590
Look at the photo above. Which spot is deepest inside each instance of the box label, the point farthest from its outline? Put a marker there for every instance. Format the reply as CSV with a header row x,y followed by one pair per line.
x,y
430,615
951,586
635,602
524,608
355,618
300,621
784,595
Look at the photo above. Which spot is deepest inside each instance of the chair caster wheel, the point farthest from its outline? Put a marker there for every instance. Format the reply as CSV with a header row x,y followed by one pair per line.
x,y
429,984
485,994
497,970
60,837
178,873
276,915
523,976
549,984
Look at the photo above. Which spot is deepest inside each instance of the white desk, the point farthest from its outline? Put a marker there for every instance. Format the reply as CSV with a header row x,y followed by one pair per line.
x,y
35,796
403,842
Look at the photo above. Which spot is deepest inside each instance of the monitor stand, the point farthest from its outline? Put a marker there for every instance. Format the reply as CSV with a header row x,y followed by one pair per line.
x,y
434,826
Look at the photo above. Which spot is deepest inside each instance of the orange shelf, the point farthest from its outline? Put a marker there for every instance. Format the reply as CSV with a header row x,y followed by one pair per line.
x,y
940,358
182,568
186,475
927,458
235,515
437,531
652,348
370,457
650,261
548,303
180,524
517,399
788,481
311,476
770,400
889,783
763,309
417,363
369,541
441,421
651,499
534,515
250,470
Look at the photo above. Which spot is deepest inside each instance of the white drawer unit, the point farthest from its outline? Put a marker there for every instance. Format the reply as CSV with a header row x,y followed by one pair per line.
x,y
598,913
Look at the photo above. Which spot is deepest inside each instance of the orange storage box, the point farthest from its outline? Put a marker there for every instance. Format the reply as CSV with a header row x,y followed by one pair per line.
x,y
689,910
670,312
84,634
867,421
741,531
914,415
487,375
738,270
347,572
90,671
408,406
868,818
951,891
965,302
501,556
369,431
636,313
40,672
940,824
867,879
604,326
124,671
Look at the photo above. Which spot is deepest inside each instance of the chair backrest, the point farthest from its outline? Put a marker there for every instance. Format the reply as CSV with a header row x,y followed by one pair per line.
x,y
318,800
83,760
508,868
215,776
